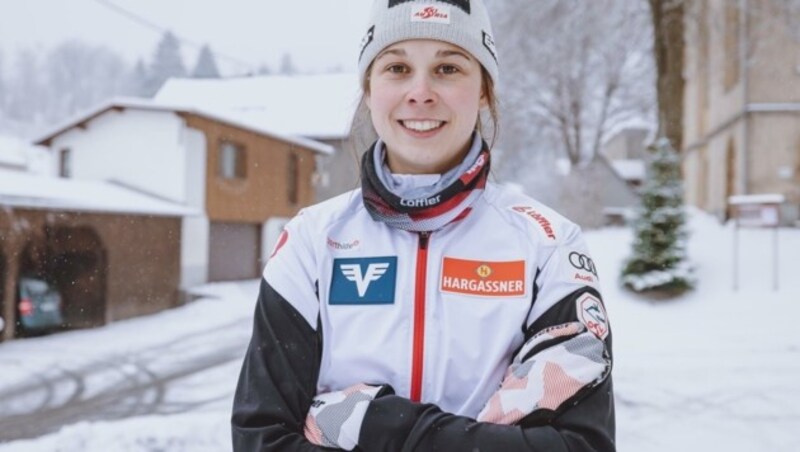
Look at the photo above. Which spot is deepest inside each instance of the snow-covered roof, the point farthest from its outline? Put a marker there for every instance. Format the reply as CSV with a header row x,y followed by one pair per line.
x,y
769,198
41,192
635,123
314,106
228,117
630,170
12,152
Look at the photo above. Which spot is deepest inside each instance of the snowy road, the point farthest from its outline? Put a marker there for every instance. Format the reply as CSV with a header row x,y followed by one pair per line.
x,y
162,378
130,384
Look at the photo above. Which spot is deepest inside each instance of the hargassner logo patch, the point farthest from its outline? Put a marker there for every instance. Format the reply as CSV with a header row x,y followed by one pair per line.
x,y
430,13
360,281
483,278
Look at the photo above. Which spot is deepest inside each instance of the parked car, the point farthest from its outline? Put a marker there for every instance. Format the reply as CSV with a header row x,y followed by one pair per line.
x,y
39,306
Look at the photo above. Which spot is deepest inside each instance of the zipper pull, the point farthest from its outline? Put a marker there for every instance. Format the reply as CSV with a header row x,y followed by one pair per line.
x,y
424,236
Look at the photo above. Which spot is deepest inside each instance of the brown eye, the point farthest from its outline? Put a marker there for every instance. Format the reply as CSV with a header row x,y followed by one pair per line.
x,y
397,69
448,69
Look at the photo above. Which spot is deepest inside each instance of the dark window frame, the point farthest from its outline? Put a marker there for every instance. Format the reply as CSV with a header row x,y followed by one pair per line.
x,y
237,170
65,157
293,177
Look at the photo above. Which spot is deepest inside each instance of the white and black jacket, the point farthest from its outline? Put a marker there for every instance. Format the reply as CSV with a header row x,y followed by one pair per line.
x,y
348,300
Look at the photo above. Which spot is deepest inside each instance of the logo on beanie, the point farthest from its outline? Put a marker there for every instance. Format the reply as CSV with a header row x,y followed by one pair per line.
x,y
488,42
463,4
430,13
366,40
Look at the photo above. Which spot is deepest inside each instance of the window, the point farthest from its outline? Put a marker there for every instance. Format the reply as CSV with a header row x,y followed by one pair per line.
x,y
293,177
65,163
231,161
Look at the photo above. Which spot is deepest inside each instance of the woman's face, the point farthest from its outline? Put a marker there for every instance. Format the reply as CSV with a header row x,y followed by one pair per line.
x,y
424,97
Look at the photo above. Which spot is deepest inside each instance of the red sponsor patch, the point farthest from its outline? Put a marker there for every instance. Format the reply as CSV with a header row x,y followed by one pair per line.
x,y
540,219
282,239
430,13
483,278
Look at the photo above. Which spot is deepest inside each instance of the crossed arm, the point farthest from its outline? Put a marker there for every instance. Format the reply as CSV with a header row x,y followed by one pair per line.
x,y
278,382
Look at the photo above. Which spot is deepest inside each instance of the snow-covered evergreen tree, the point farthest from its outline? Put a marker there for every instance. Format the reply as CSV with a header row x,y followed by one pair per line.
x,y
167,62
138,79
287,65
206,66
659,262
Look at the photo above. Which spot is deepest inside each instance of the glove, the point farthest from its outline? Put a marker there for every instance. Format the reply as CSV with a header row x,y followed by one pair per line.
x,y
555,366
334,419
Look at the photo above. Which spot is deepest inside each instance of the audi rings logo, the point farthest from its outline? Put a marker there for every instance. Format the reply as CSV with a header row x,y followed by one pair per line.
x,y
582,262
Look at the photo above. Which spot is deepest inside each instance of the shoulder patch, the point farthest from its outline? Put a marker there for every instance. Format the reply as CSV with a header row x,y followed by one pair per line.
x,y
535,216
592,313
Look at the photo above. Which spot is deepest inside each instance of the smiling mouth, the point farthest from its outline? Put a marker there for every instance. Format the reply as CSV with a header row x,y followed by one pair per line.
x,y
422,126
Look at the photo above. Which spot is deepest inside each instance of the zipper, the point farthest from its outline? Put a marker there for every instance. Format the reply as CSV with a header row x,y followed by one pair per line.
x,y
419,317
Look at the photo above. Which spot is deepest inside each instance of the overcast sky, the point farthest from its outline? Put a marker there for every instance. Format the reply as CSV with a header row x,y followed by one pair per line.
x,y
319,34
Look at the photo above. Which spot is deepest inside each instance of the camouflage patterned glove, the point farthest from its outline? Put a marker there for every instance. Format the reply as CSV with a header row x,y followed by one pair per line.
x,y
335,418
555,366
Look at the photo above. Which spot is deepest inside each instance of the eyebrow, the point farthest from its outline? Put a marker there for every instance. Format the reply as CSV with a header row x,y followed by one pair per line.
x,y
439,54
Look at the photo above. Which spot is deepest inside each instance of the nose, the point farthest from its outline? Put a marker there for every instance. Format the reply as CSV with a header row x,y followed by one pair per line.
x,y
421,91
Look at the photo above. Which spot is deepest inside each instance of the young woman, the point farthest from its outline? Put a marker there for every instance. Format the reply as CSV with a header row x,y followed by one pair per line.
x,y
430,310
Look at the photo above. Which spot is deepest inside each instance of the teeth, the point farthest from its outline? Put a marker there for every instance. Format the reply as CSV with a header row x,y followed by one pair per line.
x,y
422,126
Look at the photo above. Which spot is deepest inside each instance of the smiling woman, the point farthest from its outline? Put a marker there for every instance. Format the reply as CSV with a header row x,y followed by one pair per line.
x,y
424,97
454,319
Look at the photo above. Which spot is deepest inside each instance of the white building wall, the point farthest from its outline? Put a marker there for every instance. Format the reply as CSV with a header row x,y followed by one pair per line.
x,y
195,230
195,233
139,148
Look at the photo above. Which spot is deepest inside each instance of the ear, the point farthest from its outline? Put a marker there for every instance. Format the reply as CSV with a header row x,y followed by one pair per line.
x,y
484,100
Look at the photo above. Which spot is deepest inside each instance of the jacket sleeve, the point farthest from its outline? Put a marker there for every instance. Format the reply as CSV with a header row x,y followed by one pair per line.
x,y
280,370
564,291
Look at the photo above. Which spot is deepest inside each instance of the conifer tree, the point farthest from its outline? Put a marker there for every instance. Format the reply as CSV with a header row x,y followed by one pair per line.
x,y
206,66
167,62
139,79
659,262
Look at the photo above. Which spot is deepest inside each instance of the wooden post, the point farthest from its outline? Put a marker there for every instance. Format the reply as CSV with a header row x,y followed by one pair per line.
x,y
11,249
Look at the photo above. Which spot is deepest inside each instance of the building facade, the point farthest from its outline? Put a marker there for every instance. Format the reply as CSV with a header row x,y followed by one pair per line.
x,y
742,104
239,175
110,252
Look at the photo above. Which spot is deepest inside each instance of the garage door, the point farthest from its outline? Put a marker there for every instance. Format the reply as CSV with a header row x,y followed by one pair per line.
x,y
234,251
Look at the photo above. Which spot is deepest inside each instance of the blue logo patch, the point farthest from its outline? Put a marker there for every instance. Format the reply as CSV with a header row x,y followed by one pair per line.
x,y
369,280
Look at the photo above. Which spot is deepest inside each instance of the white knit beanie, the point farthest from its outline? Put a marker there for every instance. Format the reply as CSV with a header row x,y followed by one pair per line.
x,y
464,23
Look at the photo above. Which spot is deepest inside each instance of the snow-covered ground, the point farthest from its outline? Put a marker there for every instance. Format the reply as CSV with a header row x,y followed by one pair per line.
x,y
714,370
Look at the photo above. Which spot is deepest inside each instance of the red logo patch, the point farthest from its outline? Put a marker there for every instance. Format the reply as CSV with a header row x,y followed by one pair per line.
x,y
482,278
430,13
